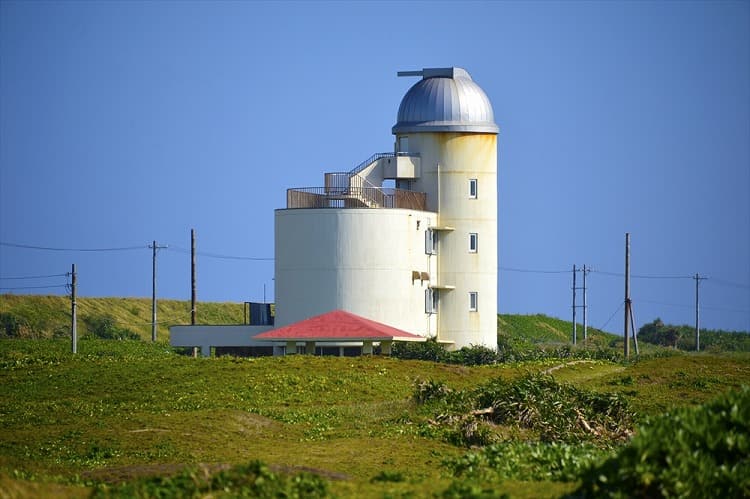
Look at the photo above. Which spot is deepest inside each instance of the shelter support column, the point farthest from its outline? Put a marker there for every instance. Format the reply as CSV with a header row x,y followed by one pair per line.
x,y
385,347
367,348
291,347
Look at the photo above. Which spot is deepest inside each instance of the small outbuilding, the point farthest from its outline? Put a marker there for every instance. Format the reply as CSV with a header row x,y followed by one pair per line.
x,y
336,328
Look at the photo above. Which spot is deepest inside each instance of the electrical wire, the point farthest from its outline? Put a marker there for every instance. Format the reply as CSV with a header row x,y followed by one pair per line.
x,y
724,282
32,277
702,307
33,287
678,305
611,316
532,271
47,248
179,249
641,276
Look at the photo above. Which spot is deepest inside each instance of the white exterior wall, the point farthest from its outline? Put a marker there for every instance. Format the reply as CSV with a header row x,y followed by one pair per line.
x,y
448,161
206,337
355,259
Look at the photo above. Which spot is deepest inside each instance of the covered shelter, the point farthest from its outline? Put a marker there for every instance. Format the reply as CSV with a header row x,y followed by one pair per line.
x,y
336,328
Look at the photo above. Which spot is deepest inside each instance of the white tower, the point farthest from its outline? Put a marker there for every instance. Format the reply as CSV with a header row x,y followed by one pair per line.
x,y
421,257
448,121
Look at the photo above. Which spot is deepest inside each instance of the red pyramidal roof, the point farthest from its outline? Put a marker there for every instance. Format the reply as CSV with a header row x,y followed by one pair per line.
x,y
338,326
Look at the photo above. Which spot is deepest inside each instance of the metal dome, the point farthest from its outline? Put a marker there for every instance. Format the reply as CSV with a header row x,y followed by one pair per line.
x,y
444,100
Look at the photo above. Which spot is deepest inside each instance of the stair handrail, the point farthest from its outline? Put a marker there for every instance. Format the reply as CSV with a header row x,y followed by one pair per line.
x,y
379,155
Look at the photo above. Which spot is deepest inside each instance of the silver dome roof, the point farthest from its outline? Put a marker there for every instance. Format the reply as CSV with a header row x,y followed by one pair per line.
x,y
444,100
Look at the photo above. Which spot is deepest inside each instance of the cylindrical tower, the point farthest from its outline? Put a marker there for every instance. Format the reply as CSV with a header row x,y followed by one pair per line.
x,y
447,119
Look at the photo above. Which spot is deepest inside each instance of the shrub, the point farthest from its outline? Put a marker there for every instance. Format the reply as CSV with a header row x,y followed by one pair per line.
x,y
388,476
690,452
252,480
560,412
106,328
556,412
474,355
526,461
429,350
12,326
426,391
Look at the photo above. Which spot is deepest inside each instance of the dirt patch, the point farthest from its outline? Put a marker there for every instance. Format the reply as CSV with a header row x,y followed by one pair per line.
x,y
249,420
572,363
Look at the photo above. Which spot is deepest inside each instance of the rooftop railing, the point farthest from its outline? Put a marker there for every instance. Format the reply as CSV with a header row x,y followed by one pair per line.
x,y
378,156
355,197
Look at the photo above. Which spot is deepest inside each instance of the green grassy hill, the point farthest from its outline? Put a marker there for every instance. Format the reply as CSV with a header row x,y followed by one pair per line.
x,y
49,316
541,330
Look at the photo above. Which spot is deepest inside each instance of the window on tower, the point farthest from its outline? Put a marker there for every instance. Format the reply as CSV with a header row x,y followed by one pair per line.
x,y
431,242
472,188
403,143
473,301
473,242
430,301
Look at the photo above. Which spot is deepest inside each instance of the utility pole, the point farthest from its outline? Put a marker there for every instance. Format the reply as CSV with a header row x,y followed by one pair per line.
x,y
585,307
574,305
153,290
193,287
626,331
632,331
193,296
73,318
698,280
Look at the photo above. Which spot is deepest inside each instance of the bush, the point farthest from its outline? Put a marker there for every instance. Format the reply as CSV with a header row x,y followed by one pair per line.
x,y
105,327
526,461
474,355
556,412
429,350
559,412
252,480
683,337
692,452
12,326
426,391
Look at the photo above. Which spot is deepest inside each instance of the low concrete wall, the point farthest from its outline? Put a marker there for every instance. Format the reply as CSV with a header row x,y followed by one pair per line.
x,y
206,337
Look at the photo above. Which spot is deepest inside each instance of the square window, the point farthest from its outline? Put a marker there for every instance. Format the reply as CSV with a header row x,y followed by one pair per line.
x,y
473,242
473,188
473,299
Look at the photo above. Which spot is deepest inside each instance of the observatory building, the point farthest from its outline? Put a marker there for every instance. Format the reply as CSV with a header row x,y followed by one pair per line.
x,y
407,238
422,256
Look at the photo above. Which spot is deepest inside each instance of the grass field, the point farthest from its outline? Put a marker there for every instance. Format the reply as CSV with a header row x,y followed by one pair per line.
x,y
134,418
122,410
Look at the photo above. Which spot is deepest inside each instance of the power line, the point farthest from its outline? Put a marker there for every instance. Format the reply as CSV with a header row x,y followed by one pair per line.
x,y
706,307
724,282
619,307
47,248
32,277
641,276
33,287
179,249
532,271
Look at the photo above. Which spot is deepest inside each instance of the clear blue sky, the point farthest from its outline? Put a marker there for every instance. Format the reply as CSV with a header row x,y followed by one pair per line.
x,y
125,122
